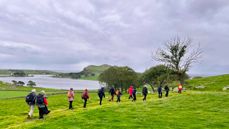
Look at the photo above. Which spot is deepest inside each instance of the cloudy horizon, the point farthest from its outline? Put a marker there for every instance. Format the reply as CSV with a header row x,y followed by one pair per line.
x,y
70,35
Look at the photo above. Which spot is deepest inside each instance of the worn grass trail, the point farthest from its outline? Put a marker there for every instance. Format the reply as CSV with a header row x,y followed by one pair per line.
x,y
190,110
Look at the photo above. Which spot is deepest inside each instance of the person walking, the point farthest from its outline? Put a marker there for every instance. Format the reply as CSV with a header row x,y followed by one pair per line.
x,y
85,97
112,92
31,101
130,91
159,90
101,94
180,88
70,95
144,93
118,93
42,104
134,94
166,91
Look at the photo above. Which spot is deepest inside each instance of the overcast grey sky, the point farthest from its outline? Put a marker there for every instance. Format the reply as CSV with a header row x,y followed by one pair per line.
x,y
71,34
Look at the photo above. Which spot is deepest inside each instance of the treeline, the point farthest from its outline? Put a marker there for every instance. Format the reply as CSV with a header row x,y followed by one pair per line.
x,y
123,77
75,75
24,73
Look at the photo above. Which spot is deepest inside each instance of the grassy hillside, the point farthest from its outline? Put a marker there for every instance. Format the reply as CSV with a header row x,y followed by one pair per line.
x,y
191,110
215,83
89,73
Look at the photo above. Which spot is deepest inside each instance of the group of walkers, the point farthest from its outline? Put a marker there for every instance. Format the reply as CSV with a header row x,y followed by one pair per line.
x,y
40,100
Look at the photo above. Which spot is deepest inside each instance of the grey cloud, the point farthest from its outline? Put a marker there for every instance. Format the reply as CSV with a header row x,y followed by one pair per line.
x,y
68,35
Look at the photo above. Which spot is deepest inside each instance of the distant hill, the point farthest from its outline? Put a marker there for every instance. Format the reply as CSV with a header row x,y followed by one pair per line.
x,y
216,83
90,72
10,72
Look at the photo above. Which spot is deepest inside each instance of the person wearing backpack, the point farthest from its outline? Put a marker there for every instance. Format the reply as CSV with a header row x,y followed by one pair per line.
x,y
130,91
101,94
112,92
31,100
134,94
70,97
159,89
180,88
42,104
118,93
166,91
144,93
85,97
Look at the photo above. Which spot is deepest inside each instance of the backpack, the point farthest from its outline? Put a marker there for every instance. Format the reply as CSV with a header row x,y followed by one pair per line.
x,y
85,96
29,98
40,100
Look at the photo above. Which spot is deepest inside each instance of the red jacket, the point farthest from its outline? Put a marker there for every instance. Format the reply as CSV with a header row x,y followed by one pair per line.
x,y
130,90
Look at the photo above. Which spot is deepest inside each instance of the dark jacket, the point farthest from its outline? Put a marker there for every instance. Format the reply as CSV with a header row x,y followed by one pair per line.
x,y
144,91
134,92
101,93
112,91
159,89
166,88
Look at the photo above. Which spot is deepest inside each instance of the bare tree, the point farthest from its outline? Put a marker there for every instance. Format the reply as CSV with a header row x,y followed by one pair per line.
x,y
178,55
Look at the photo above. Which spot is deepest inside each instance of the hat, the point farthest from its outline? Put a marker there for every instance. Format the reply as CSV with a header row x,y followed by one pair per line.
x,y
33,90
43,92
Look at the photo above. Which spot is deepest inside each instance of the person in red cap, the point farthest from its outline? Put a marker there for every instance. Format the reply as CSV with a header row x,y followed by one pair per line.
x,y
179,88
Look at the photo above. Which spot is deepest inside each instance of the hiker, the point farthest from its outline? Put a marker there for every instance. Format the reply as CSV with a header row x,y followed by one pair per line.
x,y
31,101
42,104
159,90
130,91
85,97
179,88
101,94
71,95
166,91
118,93
112,92
134,94
144,92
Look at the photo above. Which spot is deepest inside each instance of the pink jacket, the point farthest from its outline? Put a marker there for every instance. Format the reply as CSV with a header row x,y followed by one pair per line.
x,y
71,95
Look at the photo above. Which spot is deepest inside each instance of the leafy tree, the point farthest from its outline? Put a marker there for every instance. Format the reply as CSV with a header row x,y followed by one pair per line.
x,y
20,83
119,77
178,56
14,82
158,76
31,83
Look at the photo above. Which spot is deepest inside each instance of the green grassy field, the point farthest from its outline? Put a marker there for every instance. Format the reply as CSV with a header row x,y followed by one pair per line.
x,y
213,83
190,110
12,94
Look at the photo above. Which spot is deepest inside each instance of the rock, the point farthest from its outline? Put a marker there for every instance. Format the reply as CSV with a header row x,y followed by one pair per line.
x,y
200,87
226,88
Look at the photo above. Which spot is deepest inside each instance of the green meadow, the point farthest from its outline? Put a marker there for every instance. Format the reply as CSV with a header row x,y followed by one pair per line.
x,y
190,110
193,109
